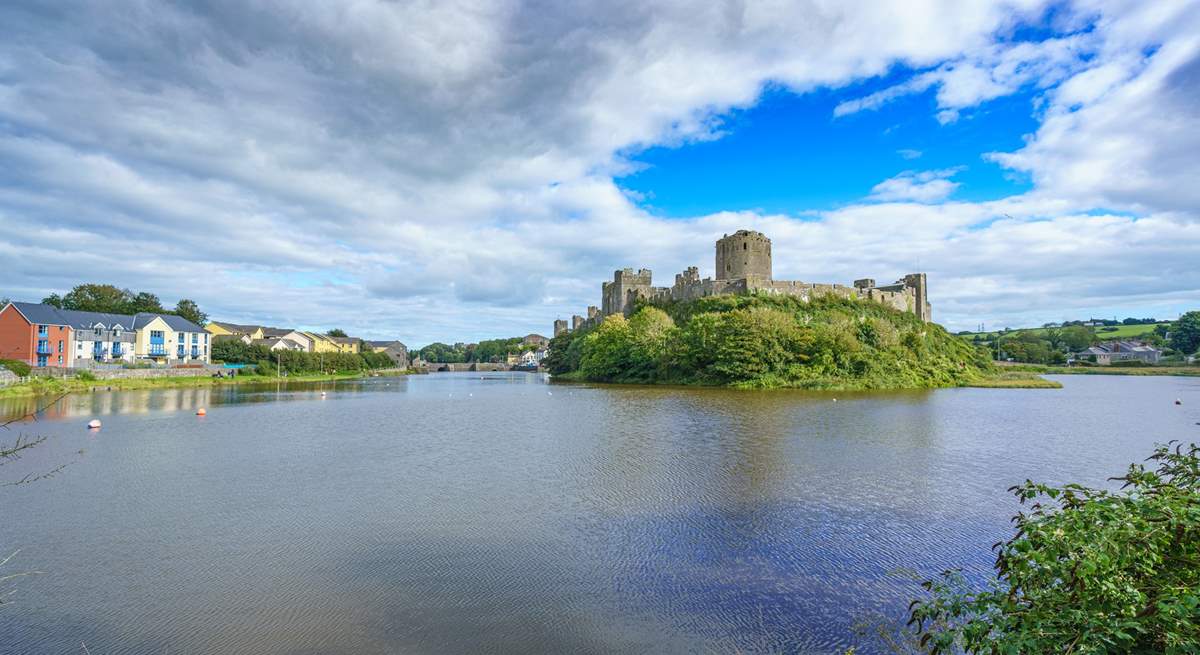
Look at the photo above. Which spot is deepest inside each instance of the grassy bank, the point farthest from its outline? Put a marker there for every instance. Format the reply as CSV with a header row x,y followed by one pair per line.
x,y
1041,369
1014,380
43,386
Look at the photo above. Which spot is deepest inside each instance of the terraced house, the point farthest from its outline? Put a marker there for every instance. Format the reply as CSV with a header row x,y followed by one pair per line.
x,y
38,335
45,336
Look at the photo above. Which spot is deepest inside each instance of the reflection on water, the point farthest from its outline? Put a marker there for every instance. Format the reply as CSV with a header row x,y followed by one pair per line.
x,y
139,401
498,513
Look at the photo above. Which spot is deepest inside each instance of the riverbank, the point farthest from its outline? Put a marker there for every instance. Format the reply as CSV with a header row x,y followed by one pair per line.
x,y
1014,380
1040,369
51,386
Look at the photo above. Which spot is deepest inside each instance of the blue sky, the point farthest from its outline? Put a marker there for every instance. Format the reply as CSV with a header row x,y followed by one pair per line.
x,y
789,154
464,170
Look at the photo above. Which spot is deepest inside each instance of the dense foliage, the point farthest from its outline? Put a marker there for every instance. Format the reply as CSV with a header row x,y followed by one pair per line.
x,y
1185,333
114,300
21,369
233,351
488,350
768,341
1088,571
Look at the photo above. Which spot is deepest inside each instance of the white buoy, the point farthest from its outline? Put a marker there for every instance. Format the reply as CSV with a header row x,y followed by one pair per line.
x,y
1178,401
322,394
94,424
835,400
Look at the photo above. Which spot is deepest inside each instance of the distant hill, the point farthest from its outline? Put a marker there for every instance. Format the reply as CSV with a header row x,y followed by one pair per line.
x,y
766,341
1102,332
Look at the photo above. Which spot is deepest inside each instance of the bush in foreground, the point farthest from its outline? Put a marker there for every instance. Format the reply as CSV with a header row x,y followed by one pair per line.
x,y
1088,571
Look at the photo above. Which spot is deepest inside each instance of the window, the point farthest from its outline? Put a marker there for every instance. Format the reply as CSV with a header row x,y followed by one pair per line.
x,y
195,338
181,339
60,346
60,360
43,330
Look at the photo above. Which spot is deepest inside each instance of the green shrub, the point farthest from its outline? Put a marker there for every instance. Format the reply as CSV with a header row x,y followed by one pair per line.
x,y
20,369
85,376
1088,571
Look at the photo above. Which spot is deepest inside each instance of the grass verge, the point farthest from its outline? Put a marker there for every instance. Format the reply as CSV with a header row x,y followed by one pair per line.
x,y
43,386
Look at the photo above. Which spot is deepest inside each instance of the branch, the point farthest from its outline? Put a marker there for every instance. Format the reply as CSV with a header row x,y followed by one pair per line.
x,y
34,414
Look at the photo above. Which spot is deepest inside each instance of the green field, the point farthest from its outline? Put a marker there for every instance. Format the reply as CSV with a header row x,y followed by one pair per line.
x,y
1120,331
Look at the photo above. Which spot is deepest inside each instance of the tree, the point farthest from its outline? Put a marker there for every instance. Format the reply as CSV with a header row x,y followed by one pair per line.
x,y
98,298
4,302
146,302
1088,571
336,332
1185,333
189,310
1077,337
53,300
1055,336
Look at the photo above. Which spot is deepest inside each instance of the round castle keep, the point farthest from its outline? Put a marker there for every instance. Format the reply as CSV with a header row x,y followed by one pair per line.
x,y
742,254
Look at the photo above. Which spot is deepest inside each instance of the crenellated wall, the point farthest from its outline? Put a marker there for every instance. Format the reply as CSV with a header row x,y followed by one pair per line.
x,y
743,262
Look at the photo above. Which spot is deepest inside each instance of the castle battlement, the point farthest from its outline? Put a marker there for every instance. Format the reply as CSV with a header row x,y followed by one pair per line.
x,y
743,265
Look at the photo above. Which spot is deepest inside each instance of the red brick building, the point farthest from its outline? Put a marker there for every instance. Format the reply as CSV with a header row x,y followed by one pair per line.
x,y
35,334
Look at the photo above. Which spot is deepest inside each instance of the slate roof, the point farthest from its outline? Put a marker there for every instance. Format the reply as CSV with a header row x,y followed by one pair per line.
x,y
177,323
385,344
42,314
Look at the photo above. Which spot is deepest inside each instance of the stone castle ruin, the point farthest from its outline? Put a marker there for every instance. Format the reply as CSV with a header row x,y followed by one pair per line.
x,y
743,265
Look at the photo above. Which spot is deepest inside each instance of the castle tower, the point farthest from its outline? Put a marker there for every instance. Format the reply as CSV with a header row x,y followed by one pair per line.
x,y
917,282
744,253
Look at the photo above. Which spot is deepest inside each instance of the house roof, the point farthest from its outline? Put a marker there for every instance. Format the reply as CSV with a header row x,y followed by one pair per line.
x,y
385,344
177,323
78,319
344,339
50,315
40,314
275,332
234,327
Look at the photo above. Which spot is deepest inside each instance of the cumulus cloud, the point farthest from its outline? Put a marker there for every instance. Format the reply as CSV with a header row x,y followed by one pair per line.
x,y
445,170
917,186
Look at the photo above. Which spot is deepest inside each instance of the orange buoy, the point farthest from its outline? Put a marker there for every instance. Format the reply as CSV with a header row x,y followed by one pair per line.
x,y
94,424
201,412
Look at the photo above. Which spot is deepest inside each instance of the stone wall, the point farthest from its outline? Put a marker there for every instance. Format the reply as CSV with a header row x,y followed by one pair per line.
x,y
743,262
7,377
128,373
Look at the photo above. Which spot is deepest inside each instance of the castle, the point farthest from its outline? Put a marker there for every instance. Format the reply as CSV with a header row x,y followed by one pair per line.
x,y
743,265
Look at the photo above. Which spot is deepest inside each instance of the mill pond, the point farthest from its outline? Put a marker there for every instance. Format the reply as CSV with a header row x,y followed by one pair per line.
x,y
502,513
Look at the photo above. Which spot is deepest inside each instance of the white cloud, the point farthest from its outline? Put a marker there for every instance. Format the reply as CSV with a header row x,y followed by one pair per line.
x,y
918,186
444,170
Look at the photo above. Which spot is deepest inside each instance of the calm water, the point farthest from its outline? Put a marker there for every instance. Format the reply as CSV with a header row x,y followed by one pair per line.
x,y
451,513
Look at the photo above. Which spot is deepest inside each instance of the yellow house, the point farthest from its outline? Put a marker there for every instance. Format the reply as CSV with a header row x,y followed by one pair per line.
x,y
322,343
347,344
168,338
225,329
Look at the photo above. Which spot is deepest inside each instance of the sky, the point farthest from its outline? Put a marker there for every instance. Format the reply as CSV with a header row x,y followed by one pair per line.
x,y
454,171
